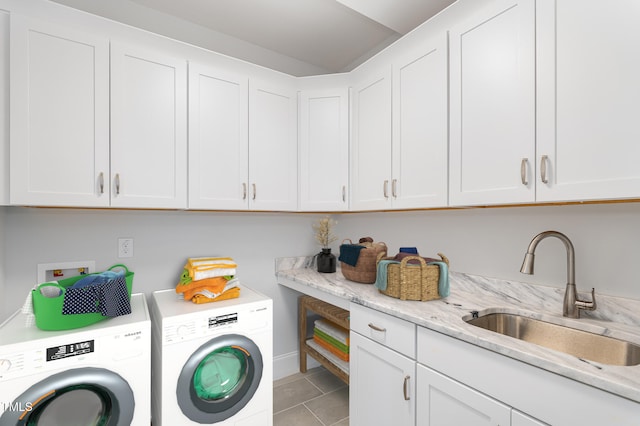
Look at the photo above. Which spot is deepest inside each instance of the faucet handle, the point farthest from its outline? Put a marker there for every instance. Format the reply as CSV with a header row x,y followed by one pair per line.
x,y
586,305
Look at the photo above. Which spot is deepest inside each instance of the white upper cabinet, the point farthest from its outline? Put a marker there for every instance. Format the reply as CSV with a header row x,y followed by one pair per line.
x,y
4,108
492,105
273,146
588,91
371,143
324,149
59,128
218,139
420,139
148,128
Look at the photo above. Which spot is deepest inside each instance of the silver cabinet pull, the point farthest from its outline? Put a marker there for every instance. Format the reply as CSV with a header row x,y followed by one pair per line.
x,y
543,169
344,193
253,185
405,388
117,179
394,183
376,328
523,171
101,182
244,191
385,187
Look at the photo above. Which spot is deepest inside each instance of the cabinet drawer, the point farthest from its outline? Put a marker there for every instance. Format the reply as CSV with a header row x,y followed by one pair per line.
x,y
395,333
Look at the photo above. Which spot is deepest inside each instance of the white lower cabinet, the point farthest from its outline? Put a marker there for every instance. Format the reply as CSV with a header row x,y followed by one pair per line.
x,y
443,401
381,384
460,383
381,369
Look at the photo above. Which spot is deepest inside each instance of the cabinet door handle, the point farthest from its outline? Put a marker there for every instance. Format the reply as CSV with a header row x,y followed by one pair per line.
x,y
523,171
344,193
101,182
394,184
543,169
255,192
244,191
376,328
117,183
385,188
405,388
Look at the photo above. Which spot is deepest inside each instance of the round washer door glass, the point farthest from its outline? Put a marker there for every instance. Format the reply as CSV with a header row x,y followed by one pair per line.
x,y
219,378
82,396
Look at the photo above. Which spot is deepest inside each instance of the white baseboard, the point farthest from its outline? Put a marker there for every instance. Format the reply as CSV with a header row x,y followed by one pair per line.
x,y
288,364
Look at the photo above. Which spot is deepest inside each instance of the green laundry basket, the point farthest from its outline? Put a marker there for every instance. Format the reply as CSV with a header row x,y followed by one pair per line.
x,y
48,310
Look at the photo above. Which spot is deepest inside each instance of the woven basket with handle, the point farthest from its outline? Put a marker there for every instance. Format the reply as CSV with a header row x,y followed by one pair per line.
x,y
407,281
365,269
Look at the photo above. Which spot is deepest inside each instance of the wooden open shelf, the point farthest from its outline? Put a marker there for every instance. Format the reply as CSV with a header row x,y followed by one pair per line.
x,y
307,347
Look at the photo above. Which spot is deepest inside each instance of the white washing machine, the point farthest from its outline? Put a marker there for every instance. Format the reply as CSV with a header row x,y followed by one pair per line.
x,y
212,363
95,375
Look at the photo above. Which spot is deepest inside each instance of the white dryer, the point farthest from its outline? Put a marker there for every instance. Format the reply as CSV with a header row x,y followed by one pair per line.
x,y
95,375
212,363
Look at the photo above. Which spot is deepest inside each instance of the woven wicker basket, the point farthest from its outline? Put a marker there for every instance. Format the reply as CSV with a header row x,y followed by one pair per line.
x,y
365,269
411,281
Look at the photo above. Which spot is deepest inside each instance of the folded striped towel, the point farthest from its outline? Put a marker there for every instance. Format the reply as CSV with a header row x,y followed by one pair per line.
x,y
200,268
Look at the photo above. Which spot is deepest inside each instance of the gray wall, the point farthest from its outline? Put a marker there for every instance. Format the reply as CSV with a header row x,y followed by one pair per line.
x,y
481,241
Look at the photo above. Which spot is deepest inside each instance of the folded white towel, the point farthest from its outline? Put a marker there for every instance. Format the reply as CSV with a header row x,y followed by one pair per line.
x,y
212,273
229,285
27,310
338,333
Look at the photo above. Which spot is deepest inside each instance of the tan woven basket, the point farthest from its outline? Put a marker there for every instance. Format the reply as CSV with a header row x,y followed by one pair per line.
x,y
413,282
365,269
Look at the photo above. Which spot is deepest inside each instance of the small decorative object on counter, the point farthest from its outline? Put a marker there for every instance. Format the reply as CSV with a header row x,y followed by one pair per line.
x,y
358,261
411,277
325,260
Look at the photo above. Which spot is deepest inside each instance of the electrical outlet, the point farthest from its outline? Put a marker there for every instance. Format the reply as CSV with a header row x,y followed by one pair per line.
x,y
125,247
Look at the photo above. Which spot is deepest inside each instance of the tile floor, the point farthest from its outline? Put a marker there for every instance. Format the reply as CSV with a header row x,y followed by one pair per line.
x,y
314,398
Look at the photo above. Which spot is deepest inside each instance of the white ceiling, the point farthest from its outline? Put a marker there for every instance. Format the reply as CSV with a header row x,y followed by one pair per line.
x,y
299,37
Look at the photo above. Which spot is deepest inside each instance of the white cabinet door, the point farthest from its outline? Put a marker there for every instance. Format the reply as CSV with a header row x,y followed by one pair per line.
x,y
588,91
492,103
148,128
4,108
521,419
442,401
381,385
273,147
371,143
218,139
324,149
59,122
420,140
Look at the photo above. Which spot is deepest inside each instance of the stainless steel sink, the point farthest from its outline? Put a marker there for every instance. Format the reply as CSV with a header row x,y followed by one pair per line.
x,y
579,343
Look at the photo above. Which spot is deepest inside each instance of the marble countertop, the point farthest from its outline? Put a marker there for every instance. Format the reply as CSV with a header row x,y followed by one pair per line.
x,y
614,317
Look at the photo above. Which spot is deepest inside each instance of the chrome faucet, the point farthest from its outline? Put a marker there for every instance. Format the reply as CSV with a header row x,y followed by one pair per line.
x,y
572,305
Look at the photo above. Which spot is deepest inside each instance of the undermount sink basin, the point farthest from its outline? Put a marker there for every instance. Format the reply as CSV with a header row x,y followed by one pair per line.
x,y
579,343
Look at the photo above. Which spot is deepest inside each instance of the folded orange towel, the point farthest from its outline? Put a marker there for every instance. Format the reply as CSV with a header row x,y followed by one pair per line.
x,y
337,352
232,293
214,285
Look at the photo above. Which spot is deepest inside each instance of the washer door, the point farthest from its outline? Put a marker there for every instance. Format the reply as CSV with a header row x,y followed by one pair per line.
x,y
83,396
219,378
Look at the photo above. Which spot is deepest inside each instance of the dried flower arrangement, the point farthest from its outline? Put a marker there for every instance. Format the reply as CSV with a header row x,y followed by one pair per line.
x,y
324,234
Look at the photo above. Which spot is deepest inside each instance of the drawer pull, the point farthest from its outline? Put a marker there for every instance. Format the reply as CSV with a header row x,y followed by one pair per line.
x,y
376,328
385,189
244,191
255,191
405,388
117,183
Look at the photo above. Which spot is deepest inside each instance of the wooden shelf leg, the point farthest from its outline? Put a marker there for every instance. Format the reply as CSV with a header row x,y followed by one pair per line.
x,y
302,319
